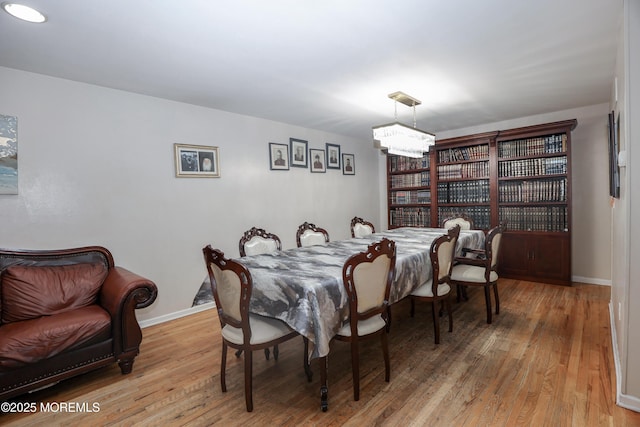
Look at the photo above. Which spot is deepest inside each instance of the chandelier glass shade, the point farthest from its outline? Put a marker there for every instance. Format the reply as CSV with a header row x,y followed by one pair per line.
x,y
397,138
403,140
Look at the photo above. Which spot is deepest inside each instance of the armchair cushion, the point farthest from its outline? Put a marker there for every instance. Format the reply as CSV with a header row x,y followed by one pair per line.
x,y
31,341
29,292
426,289
471,273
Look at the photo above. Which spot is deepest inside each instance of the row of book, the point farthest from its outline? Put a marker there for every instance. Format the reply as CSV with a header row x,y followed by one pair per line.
x,y
533,167
421,179
475,152
533,146
464,191
480,215
402,163
409,217
554,190
410,197
547,218
464,170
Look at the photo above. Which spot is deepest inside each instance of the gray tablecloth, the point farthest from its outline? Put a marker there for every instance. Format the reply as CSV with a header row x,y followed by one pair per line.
x,y
303,286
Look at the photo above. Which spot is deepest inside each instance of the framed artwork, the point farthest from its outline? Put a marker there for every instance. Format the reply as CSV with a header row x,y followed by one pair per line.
x,y
8,154
317,160
298,153
348,164
196,161
279,156
614,141
333,156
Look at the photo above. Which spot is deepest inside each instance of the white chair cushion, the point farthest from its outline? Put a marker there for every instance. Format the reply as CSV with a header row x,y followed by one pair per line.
x,y
263,329
471,273
311,238
365,327
463,223
370,280
425,290
361,230
259,245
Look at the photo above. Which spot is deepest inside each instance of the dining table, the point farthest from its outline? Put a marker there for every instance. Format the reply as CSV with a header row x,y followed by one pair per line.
x,y
303,286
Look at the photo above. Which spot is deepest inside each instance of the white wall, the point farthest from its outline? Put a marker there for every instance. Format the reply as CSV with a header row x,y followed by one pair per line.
x,y
96,167
590,185
625,291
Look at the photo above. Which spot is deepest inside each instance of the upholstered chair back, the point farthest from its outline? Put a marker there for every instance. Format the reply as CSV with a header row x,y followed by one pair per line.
x,y
310,235
257,241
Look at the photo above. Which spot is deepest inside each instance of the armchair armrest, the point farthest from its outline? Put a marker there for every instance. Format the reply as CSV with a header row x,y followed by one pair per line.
x,y
471,261
480,253
121,294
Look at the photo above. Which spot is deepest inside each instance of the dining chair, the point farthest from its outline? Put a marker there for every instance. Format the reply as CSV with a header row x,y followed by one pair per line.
x,y
256,241
367,278
309,235
462,219
438,288
231,285
481,270
361,228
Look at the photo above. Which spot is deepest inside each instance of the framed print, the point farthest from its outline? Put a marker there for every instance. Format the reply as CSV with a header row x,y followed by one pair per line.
x,y
348,164
196,161
333,156
298,153
8,154
317,160
279,156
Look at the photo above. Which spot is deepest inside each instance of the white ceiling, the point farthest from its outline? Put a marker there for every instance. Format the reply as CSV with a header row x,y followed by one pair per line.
x,y
330,64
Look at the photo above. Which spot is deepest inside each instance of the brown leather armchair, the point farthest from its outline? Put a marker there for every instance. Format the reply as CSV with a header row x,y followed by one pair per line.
x,y
66,312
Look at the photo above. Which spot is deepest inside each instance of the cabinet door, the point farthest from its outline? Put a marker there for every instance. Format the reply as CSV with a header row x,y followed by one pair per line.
x,y
551,258
514,255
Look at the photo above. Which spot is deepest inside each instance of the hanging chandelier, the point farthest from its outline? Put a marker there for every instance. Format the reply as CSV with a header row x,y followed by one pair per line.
x,y
401,139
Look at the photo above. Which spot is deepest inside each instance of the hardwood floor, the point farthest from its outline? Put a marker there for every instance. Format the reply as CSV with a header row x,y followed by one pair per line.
x,y
545,361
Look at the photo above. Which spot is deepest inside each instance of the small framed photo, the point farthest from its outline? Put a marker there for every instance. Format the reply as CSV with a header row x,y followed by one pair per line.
x,y
279,156
333,156
298,153
317,160
348,164
196,161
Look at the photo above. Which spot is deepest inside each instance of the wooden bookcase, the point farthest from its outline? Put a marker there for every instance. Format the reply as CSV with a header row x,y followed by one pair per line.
x,y
409,191
519,175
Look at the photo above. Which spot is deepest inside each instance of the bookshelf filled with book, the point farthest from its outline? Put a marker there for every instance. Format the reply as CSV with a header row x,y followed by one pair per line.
x,y
463,179
409,184
534,197
521,176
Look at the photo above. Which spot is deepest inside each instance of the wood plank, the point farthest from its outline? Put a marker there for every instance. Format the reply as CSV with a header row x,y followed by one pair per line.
x,y
546,360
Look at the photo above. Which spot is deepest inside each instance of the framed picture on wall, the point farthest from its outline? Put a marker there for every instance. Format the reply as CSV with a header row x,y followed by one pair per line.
x,y
298,153
317,160
196,161
333,156
8,154
279,156
348,164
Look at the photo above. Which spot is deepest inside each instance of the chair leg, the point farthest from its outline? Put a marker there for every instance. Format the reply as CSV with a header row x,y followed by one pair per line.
x,y
436,321
276,352
495,293
388,317
305,359
223,367
266,353
248,379
487,298
238,353
385,354
355,368
447,302
413,307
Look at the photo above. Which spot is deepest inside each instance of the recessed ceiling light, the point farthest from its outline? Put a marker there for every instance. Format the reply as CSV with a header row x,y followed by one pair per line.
x,y
23,12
